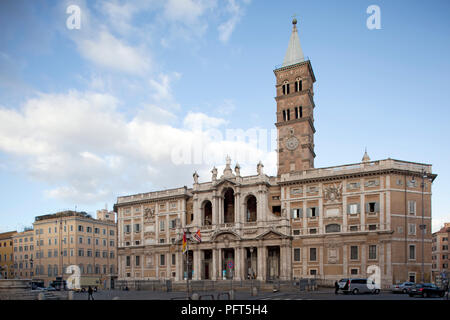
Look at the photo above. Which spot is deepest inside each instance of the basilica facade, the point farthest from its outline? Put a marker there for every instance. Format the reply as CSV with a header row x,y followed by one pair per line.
x,y
327,223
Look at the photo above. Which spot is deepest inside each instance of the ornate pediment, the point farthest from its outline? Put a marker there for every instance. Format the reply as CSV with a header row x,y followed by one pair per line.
x,y
272,235
225,183
225,236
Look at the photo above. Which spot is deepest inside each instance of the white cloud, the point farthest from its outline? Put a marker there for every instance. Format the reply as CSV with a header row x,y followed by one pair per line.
x,y
87,150
236,12
187,11
109,52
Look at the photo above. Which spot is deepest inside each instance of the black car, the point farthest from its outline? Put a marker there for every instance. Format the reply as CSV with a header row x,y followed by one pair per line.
x,y
426,290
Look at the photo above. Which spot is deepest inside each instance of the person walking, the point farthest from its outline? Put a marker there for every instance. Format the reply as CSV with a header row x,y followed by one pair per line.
x,y
90,291
336,287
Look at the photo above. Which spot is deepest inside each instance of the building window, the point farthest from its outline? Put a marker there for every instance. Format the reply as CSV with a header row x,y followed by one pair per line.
x,y
313,272
297,254
162,240
372,252
354,252
412,252
138,260
162,260
296,232
137,227
81,253
353,271
127,228
333,228
128,261
313,212
353,208
412,207
161,225
297,213
312,254
173,259
80,228
412,228
372,227
312,231
372,207
284,115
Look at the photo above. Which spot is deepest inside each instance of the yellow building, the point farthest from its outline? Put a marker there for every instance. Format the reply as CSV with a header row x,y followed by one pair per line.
x,y
23,243
6,255
75,238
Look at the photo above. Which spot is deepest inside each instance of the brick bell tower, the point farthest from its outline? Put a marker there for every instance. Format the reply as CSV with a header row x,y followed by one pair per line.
x,y
295,106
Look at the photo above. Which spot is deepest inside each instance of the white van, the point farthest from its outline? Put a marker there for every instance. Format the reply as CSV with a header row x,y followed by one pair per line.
x,y
359,285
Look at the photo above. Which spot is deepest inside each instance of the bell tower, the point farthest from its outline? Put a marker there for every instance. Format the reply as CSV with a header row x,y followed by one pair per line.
x,y
295,106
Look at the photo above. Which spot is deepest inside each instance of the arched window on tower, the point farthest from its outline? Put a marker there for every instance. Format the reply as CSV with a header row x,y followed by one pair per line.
x,y
285,87
298,85
284,115
288,114
300,112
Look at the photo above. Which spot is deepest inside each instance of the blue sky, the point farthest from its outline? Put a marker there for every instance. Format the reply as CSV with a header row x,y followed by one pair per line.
x,y
87,115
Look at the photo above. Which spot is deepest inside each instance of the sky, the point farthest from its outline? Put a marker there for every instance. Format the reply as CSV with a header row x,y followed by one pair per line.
x,y
119,105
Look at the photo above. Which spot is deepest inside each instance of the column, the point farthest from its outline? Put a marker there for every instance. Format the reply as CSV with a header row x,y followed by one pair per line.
x,y
157,222
179,266
380,252
196,264
220,217
288,261
261,263
382,222
363,259
304,219
196,210
215,213
321,211
219,253
237,263
304,252
237,208
183,213
344,206
214,263
389,263
388,202
363,210
344,260
321,261
283,262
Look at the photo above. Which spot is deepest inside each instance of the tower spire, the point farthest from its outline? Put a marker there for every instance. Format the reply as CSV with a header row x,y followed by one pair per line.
x,y
294,53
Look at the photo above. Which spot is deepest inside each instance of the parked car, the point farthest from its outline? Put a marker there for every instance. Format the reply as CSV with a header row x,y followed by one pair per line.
x,y
50,288
402,287
358,285
426,290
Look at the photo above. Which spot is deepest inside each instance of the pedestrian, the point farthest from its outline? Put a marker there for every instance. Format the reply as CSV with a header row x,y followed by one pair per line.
x,y
90,291
336,287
